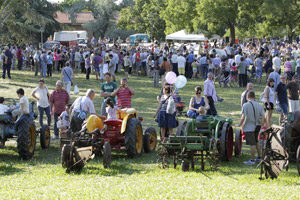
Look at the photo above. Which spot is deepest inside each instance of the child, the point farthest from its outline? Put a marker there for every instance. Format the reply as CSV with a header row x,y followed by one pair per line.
x,y
64,120
202,112
111,110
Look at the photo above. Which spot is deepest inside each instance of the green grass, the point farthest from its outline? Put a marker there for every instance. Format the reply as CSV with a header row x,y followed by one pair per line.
x,y
43,177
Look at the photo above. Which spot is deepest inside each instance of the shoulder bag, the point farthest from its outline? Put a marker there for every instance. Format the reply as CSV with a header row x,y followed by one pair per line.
x,y
257,127
68,76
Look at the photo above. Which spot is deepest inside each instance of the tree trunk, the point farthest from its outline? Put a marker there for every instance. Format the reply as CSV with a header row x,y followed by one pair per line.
x,y
232,33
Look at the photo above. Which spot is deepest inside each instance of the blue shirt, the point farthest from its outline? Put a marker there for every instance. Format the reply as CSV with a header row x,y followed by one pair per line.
x,y
9,56
190,58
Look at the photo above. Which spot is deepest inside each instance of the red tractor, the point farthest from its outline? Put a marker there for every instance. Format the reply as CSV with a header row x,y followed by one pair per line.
x,y
98,137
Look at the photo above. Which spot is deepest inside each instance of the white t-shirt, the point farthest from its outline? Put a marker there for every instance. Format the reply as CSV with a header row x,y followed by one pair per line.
x,y
65,119
42,94
86,105
276,63
111,113
181,62
25,102
3,109
174,58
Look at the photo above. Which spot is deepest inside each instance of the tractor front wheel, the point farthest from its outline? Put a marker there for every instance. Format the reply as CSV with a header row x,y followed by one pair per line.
x,y
106,155
134,138
65,156
238,143
185,165
45,137
298,159
150,140
26,139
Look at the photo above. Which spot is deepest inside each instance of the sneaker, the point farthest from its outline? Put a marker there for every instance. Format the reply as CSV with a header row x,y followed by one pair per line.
x,y
249,162
257,160
55,137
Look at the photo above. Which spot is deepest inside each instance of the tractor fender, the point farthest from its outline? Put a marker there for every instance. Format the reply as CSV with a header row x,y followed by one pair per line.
x,y
124,123
219,124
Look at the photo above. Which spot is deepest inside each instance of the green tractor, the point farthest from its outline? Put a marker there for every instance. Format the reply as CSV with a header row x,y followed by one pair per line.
x,y
209,139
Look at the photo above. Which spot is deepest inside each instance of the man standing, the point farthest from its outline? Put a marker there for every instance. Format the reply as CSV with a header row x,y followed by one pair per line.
x,y
20,58
245,93
204,66
124,94
44,61
106,91
41,94
277,63
211,94
181,64
97,60
242,69
37,61
58,101
190,60
281,93
67,76
174,63
293,94
252,111
7,60
14,54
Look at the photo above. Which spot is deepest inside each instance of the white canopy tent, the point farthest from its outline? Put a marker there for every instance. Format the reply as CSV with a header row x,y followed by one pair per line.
x,y
183,36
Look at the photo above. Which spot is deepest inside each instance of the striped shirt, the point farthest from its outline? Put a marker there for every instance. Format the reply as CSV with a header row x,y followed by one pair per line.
x,y
124,98
59,100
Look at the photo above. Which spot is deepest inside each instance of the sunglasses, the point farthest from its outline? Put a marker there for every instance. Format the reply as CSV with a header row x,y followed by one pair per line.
x,y
198,92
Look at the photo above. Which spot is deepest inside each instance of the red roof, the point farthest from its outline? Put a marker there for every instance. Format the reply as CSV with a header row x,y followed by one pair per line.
x,y
81,18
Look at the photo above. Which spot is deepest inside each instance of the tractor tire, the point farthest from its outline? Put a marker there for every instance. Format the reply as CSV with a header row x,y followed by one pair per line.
x,y
226,140
26,138
65,156
106,155
150,140
134,138
238,143
185,165
181,128
298,159
45,137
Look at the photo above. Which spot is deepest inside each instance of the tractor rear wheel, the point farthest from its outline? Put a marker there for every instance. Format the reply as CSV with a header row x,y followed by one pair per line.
x,y
106,155
65,156
45,137
238,143
226,140
134,138
26,138
298,159
150,140
181,128
185,165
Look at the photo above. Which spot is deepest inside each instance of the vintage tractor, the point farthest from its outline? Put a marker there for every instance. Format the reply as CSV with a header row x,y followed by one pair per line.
x,y
97,137
25,131
208,139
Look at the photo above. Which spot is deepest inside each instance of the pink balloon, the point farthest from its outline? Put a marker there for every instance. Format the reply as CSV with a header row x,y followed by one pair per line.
x,y
171,77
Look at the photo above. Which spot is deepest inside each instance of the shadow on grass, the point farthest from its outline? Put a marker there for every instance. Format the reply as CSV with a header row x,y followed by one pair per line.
x,y
8,169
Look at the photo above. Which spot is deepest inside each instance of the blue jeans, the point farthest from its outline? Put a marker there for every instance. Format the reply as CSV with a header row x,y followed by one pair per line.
x,y
41,113
283,108
43,69
56,131
204,70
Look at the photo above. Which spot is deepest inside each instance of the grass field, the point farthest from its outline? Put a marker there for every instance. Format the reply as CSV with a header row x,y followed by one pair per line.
x,y
43,177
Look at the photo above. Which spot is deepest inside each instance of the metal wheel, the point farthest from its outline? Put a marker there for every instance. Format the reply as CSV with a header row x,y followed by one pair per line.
x,y
106,155
238,143
162,157
150,140
213,154
226,142
45,137
298,159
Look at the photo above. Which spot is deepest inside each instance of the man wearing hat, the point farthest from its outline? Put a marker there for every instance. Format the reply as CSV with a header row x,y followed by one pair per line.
x,y
7,58
41,94
293,94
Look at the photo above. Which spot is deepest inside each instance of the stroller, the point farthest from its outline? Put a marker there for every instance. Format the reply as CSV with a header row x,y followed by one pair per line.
x,y
224,76
180,105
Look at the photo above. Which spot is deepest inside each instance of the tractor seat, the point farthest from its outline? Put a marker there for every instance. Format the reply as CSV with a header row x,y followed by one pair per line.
x,y
116,122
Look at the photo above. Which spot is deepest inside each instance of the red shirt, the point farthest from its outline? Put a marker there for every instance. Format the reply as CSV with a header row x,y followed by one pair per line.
x,y
124,98
59,101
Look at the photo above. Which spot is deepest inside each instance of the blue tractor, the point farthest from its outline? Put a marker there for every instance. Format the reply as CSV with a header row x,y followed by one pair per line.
x,y
25,131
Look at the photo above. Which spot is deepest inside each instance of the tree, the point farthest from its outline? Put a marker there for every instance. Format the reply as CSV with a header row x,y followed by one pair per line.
x,y
144,17
178,15
27,18
281,15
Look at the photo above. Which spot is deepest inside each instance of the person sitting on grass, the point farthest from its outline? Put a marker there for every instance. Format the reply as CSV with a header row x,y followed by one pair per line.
x,y
3,108
64,120
111,109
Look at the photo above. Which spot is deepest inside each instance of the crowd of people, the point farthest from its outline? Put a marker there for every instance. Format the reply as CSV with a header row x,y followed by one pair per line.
x,y
239,63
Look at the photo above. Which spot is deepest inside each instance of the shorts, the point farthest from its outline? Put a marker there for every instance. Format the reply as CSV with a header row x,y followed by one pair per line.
x,y
126,68
283,108
271,106
97,69
251,138
294,105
